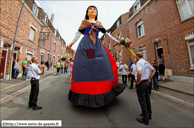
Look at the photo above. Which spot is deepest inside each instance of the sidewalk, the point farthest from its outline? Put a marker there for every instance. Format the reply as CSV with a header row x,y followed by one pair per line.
x,y
177,86
14,82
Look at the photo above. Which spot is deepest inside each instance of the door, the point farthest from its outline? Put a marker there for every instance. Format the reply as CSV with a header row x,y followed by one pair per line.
x,y
48,58
41,58
15,58
13,63
2,67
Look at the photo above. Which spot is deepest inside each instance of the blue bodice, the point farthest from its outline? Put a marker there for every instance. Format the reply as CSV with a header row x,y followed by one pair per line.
x,y
87,30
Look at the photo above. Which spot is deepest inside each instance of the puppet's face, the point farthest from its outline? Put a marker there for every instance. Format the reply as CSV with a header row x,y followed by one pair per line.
x,y
92,12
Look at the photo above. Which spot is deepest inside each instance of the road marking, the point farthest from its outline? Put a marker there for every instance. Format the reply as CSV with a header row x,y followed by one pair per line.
x,y
20,83
9,97
13,86
175,99
14,94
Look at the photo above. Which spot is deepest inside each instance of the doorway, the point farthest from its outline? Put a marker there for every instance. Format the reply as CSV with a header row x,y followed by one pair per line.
x,y
54,59
159,49
3,61
42,57
13,63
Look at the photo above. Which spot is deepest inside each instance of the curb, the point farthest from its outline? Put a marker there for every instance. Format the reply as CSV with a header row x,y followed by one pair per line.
x,y
187,93
18,84
183,102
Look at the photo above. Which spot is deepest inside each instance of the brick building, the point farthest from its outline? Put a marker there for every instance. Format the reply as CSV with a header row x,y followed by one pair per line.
x,y
34,36
165,26
118,30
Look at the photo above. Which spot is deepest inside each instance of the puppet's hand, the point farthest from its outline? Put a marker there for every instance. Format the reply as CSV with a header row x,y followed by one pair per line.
x,y
118,42
70,45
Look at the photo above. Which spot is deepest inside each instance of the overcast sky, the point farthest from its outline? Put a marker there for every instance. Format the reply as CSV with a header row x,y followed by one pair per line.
x,y
69,14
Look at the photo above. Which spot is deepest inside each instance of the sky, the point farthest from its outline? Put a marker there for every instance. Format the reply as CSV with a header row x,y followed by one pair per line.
x,y
69,15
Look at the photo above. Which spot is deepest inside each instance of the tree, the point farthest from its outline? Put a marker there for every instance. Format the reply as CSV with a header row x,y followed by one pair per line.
x,y
70,59
63,59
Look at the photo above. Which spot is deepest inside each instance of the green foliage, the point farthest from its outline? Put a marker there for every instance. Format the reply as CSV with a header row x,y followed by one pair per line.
x,y
63,59
70,59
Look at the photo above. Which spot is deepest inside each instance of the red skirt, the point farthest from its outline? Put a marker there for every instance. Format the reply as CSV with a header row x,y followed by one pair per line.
x,y
96,94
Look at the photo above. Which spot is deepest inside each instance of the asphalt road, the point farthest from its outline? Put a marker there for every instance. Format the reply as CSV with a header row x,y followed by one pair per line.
x,y
53,97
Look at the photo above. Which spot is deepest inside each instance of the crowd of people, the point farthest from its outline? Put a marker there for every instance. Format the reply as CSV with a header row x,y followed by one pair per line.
x,y
61,66
132,75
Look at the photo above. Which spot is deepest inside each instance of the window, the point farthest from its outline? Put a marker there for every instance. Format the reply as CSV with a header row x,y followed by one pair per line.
x,y
35,9
136,6
41,57
43,39
118,37
55,32
109,46
5,47
186,8
32,31
120,56
140,29
118,23
46,18
54,46
143,50
191,52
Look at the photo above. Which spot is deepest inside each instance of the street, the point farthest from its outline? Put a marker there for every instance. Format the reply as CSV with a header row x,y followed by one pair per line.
x,y
53,97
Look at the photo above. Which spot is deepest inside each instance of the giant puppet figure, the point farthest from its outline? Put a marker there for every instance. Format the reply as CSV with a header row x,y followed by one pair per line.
x,y
95,76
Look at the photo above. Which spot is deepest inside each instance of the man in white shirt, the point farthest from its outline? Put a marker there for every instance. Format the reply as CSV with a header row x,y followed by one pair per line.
x,y
117,63
123,69
133,71
144,74
16,69
34,75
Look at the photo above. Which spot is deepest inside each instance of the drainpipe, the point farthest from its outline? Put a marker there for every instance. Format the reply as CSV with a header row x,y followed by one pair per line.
x,y
50,49
10,74
168,56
